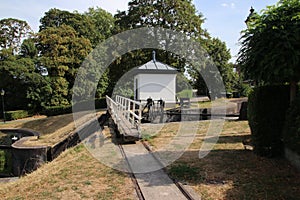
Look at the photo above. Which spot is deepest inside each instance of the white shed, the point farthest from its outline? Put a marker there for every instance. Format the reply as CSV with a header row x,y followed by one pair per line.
x,y
156,80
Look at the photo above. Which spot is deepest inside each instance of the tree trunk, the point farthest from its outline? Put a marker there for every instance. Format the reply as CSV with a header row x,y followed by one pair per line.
x,y
293,91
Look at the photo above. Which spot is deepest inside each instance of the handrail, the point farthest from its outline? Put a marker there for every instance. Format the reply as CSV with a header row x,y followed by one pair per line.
x,y
125,109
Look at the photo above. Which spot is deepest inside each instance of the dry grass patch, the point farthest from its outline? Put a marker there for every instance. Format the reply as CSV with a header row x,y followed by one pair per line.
x,y
75,174
229,171
52,129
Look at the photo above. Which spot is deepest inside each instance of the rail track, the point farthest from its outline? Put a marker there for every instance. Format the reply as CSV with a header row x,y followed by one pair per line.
x,y
186,194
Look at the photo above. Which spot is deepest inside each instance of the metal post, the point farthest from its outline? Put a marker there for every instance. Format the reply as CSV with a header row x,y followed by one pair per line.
x,y
2,95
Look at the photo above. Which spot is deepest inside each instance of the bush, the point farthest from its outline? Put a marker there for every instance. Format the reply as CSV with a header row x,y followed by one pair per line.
x,y
267,106
185,94
245,90
18,114
56,110
291,131
60,110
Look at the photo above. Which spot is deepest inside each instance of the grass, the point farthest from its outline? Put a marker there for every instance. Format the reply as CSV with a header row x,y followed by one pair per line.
x,y
52,129
216,103
229,171
75,174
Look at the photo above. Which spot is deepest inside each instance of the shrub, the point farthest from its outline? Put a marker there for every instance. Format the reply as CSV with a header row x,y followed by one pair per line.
x,y
18,114
60,110
56,110
267,106
291,131
185,94
245,90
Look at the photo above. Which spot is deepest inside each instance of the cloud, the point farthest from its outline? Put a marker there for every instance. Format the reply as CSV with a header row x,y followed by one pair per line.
x,y
228,5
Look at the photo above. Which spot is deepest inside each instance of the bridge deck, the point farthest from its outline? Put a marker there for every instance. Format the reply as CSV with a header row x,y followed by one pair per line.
x,y
126,114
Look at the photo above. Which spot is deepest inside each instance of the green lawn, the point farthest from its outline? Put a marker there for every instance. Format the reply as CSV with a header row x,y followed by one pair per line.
x,y
229,171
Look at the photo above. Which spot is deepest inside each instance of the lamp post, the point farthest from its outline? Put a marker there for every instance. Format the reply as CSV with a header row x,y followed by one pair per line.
x,y
2,95
250,16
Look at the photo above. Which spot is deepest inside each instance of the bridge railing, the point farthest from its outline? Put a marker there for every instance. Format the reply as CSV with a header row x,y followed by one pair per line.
x,y
127,110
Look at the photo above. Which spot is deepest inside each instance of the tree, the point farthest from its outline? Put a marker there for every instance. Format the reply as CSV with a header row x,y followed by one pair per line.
x,y
24,85
62,52
180,16
95,24
270,52
28,49
12,31
103,24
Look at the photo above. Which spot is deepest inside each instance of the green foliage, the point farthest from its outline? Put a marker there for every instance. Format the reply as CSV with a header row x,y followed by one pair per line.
x,y
22,82
220,56
179,16
103,25
5,162
291,132
56,110
62,52
28,49
12,31
60,110
267,106
17,114
245,90
96,24
271,44
185,94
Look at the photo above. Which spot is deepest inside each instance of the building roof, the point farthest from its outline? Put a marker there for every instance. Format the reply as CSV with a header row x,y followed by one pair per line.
x,y
155,65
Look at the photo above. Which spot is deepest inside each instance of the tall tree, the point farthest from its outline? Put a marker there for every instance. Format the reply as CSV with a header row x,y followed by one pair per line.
x,y
270,52
103,24
96,24
182,17
178,16
28,49
62,52
24,85
12,31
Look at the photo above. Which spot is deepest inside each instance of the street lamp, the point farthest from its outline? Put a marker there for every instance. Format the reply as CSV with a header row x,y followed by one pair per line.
x,y
250,16
2,95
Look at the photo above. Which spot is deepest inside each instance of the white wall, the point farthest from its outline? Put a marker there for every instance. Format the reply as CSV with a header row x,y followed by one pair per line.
x,y
156,86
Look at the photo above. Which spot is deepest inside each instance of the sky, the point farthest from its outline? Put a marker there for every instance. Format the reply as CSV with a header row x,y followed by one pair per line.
x,y
224,18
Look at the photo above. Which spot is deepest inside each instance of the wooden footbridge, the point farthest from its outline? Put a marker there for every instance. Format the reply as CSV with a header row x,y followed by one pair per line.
x,y
127,116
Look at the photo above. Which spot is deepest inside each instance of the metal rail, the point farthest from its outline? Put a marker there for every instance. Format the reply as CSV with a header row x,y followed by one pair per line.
x,y
132,176
179,185
126,114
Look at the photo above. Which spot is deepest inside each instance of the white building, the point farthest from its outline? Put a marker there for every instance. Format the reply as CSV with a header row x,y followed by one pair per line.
x,y
156,80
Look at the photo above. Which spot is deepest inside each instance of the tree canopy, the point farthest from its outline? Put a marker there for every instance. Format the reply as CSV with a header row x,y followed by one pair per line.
x,y
42,66
270,51
12,31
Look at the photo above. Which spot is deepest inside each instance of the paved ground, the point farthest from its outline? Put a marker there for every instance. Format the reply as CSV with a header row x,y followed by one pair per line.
x,y
155,184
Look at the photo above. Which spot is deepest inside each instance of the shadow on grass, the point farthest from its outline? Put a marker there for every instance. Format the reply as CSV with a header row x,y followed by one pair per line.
x,y
241,174
48,125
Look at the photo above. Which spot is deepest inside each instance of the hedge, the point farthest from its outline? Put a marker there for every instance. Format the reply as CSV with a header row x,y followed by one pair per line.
x,y
267,106
291,131
56,110
17,114
60,110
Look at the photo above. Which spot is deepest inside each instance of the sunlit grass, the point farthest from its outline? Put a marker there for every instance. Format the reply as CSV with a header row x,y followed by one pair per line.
x,y
229,171
75,174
